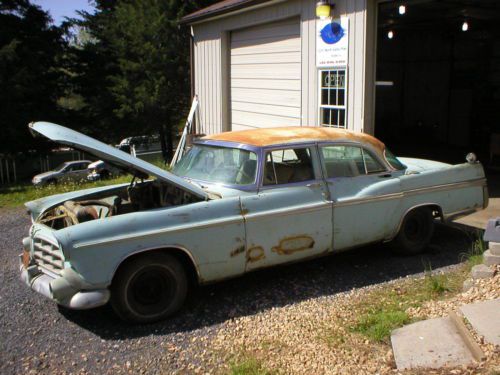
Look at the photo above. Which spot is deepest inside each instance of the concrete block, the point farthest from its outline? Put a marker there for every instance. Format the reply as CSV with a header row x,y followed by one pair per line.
x,y
432,343
482,271
490,259
494,248
485,319
468,284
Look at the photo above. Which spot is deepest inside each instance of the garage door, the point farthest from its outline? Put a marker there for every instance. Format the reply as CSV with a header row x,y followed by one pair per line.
x,y
265,76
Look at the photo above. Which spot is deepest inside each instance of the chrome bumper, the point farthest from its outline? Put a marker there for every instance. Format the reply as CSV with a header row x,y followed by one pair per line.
x,y
66,290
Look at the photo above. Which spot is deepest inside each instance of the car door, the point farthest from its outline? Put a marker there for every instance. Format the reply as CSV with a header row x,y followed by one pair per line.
x,y
366,195
291,216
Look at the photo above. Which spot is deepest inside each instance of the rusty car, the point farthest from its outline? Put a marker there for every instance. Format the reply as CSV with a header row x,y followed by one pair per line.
x,y
235,202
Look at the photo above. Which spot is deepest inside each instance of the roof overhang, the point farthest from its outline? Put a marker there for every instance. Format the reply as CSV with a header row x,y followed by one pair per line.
x,y
221,8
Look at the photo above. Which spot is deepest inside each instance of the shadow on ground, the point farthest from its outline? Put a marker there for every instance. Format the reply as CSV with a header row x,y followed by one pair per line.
x,y
280,286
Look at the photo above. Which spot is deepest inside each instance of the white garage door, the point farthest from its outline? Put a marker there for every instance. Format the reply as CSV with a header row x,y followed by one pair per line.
x,y
265,76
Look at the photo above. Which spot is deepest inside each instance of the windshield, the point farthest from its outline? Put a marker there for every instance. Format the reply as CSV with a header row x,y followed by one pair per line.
x,y
60,167
393,161
223,165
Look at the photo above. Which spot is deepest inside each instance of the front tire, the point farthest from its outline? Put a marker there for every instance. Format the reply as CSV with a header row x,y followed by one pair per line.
x,y
149,288
415,232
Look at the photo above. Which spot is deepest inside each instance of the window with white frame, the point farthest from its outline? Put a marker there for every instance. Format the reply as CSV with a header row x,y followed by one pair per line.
x,y
333,95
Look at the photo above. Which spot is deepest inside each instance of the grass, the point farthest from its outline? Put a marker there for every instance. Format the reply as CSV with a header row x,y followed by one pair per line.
x,y
249,366
475,255
385,310
17,195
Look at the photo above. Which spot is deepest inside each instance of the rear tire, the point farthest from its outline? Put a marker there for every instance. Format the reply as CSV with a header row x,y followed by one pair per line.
x,y
415,232
149,288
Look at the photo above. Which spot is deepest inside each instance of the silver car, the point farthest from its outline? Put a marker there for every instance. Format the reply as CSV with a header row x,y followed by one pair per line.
x,y
67,171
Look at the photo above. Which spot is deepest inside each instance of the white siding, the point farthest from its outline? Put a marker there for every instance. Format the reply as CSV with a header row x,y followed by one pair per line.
x,y
213,81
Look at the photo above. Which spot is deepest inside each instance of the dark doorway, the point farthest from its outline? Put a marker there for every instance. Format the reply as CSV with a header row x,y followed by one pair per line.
x,y
438,78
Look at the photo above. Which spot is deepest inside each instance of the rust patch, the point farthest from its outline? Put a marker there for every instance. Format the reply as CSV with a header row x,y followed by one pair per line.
x,y
255,254
237,251
292,134
291,245
26,259
244,211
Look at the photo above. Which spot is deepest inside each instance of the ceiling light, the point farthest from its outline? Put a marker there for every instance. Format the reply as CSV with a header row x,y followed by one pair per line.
x,y
323,9
402,9
390,34
465,26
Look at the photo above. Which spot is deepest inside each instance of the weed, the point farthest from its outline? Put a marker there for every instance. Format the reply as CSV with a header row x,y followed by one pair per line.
x,y
378,325
249,366
475,255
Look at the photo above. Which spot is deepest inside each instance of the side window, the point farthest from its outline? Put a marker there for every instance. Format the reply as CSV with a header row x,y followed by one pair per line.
x,y
349,161
288,166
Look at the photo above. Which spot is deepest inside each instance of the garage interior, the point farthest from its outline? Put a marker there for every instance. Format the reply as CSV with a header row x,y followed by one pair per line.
x,y
438,79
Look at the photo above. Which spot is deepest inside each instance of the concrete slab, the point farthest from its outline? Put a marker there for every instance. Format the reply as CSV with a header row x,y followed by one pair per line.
x,y
490,259
432,343
482,271
480,219
485,318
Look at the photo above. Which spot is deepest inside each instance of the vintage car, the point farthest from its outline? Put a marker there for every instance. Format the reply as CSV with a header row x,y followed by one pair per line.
x,y
236,202
68,171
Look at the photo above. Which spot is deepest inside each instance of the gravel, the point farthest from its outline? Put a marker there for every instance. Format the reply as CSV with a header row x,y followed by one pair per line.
x,y
38,337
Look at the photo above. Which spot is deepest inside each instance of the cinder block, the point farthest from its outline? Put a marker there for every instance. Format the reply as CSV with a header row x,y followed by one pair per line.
x,y
482,271
495,248
490,259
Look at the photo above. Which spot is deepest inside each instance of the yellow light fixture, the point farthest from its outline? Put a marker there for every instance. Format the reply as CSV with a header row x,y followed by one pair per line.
x,y
323,9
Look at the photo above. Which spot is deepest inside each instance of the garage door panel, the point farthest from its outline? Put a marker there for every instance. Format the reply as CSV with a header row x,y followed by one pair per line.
x,y
269,84
264,58
262,120
273,97
267,109
285,71
266,75
272,45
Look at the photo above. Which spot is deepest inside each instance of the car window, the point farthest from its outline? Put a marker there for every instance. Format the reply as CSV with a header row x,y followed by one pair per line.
x,y
349,161
393,160
288,166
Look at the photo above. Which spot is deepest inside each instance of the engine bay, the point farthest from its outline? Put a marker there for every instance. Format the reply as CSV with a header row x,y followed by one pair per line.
x,y
138,196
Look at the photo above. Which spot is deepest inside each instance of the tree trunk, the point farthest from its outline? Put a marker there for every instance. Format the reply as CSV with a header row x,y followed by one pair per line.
x,y
170,143
163,143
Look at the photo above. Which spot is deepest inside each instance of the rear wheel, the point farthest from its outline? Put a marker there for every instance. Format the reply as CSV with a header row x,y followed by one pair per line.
x,y
415,232
149,288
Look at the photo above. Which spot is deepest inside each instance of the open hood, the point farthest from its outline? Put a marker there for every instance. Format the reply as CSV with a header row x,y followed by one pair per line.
x,y
121,159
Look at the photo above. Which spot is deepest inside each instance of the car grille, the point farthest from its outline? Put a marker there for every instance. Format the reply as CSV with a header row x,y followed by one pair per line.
x,y
48,256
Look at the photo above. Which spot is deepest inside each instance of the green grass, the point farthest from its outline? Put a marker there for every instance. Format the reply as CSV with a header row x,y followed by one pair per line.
x,y
384,310
17,195
475,255
250,366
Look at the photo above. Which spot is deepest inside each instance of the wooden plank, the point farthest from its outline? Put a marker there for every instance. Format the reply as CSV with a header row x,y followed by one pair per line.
x,y
269,84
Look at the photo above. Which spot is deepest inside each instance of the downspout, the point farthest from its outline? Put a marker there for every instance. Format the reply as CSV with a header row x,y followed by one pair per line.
x,y
191,68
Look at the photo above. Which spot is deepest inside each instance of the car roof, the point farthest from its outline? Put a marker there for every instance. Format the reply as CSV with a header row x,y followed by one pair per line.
x,y
266,137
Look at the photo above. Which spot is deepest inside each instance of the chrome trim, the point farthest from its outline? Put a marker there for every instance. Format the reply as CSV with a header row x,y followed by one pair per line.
x,y
288,210
180,228
349,202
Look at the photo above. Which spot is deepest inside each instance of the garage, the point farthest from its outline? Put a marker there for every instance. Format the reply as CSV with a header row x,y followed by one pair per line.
x,y
438,78
265,75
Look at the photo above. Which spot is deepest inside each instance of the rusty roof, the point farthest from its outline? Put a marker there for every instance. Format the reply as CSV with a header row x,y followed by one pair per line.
x,y
219,8
293,134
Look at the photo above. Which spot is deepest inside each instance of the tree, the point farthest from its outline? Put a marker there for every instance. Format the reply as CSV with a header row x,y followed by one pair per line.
x,y
142,59
31,49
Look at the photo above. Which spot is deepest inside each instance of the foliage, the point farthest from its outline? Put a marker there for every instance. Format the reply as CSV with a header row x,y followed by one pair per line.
x,y
31,74
249,366
475,255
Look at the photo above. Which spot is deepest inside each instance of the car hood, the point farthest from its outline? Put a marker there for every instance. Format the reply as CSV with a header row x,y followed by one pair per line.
x,y
420,165
107,153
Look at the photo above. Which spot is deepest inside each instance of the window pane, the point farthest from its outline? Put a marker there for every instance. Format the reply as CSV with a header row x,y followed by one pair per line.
x,y
288,166
325,117
335,117
393,161
342,118
343,161
324,96
341,100
333,97
372,164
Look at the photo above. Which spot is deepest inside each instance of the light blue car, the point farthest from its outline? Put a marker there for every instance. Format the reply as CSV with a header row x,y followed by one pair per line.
x,y
236,202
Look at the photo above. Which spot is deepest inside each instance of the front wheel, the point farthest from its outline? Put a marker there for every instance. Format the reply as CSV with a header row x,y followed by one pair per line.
x,y
149,288
415,232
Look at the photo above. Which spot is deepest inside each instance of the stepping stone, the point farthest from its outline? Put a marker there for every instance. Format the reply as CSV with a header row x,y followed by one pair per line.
x,y
490,259
432,343
494,248
482,271
485,318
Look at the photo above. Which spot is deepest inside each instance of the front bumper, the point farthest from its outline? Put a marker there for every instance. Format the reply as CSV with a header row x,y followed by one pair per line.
x,y
68,289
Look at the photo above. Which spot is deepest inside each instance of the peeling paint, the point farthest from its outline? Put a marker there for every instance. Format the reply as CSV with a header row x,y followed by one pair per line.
x,y
237,251
291,245
255,254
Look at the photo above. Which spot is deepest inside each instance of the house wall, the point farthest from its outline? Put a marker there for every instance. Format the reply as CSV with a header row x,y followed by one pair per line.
x,y
211,61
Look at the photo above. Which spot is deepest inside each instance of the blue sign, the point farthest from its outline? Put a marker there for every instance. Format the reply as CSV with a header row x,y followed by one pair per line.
x,y
332,33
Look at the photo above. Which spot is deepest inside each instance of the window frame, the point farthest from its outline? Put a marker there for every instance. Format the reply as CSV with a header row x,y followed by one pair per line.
x,y
336,107
363,150
315,159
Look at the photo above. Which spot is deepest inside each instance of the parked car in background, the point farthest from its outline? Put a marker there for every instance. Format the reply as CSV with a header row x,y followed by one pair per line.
x,y
100,170
67,171
236,202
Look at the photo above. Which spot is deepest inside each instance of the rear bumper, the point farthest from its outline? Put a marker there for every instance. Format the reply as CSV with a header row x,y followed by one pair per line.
x,y
68,289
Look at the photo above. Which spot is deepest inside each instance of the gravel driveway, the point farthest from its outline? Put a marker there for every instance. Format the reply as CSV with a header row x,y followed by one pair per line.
x,y
37,337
